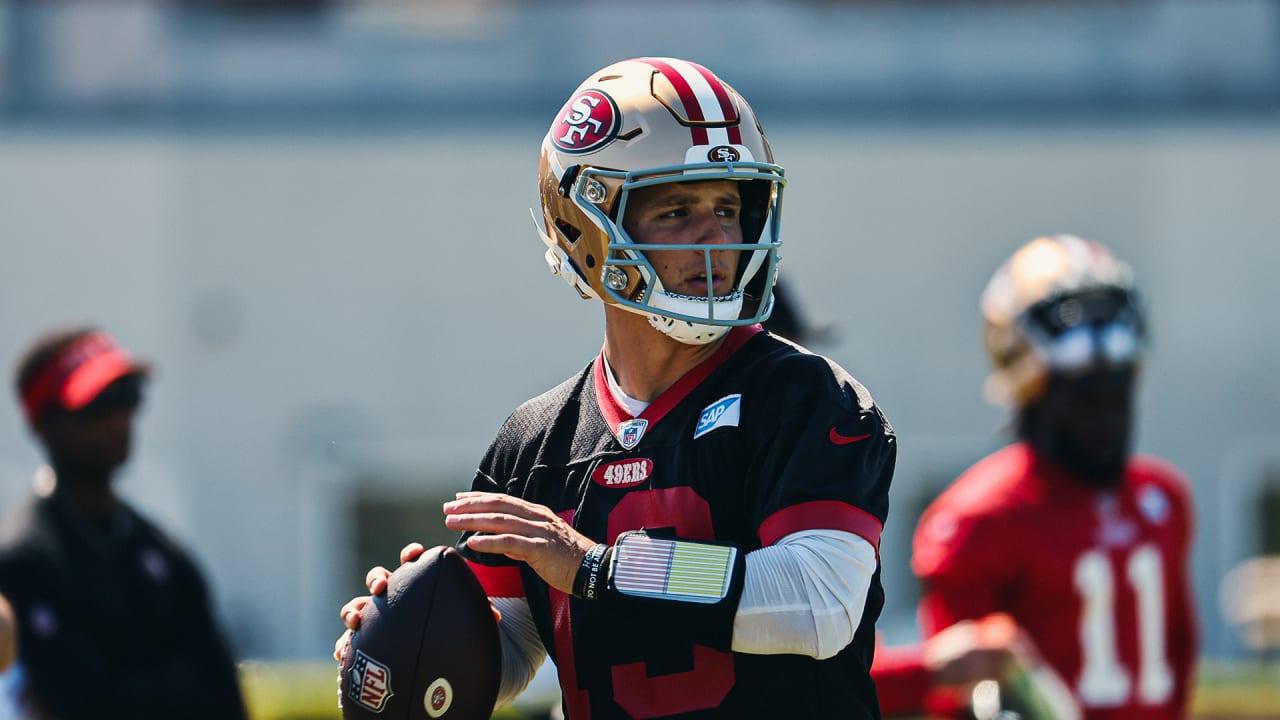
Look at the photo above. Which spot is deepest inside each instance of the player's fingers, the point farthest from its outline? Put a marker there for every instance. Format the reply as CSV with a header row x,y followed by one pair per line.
x,y
340,647
536,550
472,521
500,523
472,494
510,545
474,502
997,630
350,613
555,560
411,552
376,580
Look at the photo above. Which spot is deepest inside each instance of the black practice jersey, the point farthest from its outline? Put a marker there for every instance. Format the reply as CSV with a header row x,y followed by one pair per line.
x,y
760,441
113,624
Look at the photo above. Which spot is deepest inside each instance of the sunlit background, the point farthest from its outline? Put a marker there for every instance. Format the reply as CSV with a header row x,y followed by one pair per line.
x,y
313,216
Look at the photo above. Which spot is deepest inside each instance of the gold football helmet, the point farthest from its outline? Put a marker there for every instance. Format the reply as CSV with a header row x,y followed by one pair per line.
x,y
1059,304
643,122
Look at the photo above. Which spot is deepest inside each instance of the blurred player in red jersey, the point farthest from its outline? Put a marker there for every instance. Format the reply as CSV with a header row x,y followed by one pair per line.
x,y
1082,544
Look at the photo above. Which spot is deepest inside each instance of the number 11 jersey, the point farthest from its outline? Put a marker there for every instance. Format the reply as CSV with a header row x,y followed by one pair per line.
x,y
1098,577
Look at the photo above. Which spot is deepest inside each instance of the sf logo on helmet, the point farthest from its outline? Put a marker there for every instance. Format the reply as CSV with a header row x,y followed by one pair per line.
x,y
588,122
723,153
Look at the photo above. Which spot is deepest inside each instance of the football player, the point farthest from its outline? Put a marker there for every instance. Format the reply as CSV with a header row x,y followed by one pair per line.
x,y
1083,544
688,526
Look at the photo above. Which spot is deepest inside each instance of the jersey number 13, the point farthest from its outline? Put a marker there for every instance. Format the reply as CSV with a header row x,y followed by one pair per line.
x,y
640,694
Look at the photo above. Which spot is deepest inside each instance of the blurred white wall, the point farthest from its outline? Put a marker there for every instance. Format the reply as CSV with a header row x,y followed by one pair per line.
x,y
324,307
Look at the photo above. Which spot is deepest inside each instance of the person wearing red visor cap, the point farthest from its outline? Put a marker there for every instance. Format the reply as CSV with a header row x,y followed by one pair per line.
x,y
113,616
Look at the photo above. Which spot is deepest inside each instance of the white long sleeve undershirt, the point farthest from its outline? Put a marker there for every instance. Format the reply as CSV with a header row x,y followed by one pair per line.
x,y
804,595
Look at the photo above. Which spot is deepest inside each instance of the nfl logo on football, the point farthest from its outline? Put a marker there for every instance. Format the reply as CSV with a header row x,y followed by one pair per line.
x,y
370,682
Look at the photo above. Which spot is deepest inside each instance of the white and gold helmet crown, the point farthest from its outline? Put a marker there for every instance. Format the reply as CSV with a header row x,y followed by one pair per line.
x,y
1058,304
643,122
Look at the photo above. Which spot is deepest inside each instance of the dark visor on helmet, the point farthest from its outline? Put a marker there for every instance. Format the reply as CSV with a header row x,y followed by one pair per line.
x,y
1072,332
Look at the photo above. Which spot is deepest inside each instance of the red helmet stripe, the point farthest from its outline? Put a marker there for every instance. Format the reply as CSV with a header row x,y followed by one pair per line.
x,y
688,97
727,111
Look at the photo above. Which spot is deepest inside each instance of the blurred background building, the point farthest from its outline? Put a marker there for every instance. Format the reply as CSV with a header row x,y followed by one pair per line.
x,y
313,216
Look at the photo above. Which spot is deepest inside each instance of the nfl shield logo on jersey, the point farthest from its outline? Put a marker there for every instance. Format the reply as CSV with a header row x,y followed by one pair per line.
x,y
1154,504
370,682
630,432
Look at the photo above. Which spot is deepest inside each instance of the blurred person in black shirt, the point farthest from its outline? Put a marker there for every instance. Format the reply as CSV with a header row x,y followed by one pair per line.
x,y
113,616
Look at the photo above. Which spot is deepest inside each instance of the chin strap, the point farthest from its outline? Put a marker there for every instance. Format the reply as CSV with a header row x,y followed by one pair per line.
x,y
688,332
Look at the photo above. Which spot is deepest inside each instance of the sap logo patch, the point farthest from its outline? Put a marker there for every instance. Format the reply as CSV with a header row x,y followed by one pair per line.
x,y
370,682
725,412
623,473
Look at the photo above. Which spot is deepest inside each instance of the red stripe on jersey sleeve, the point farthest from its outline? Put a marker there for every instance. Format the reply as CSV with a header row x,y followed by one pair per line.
x,y
903,681
499,581
821,515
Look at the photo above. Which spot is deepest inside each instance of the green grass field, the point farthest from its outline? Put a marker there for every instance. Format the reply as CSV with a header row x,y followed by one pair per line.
x,y
1237,691
308,691
302,691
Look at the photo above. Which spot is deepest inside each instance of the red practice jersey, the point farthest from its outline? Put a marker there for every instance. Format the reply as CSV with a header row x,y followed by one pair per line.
x,y
1097,577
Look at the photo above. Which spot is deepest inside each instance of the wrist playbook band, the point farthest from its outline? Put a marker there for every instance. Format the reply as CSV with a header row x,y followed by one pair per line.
x,y
673,570
590,580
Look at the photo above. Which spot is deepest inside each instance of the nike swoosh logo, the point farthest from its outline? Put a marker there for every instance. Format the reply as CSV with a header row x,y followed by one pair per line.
x,y
839,439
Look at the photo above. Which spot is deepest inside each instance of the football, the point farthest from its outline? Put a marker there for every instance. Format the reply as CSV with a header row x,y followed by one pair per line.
x,y
427,648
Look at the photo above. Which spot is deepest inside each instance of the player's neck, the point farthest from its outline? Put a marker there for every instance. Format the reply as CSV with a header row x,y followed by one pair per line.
x,y
644,361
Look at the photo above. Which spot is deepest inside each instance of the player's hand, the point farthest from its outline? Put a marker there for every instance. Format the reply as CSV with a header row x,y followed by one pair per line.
x,y
523,531
991,647
376,578
376,581
996,648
